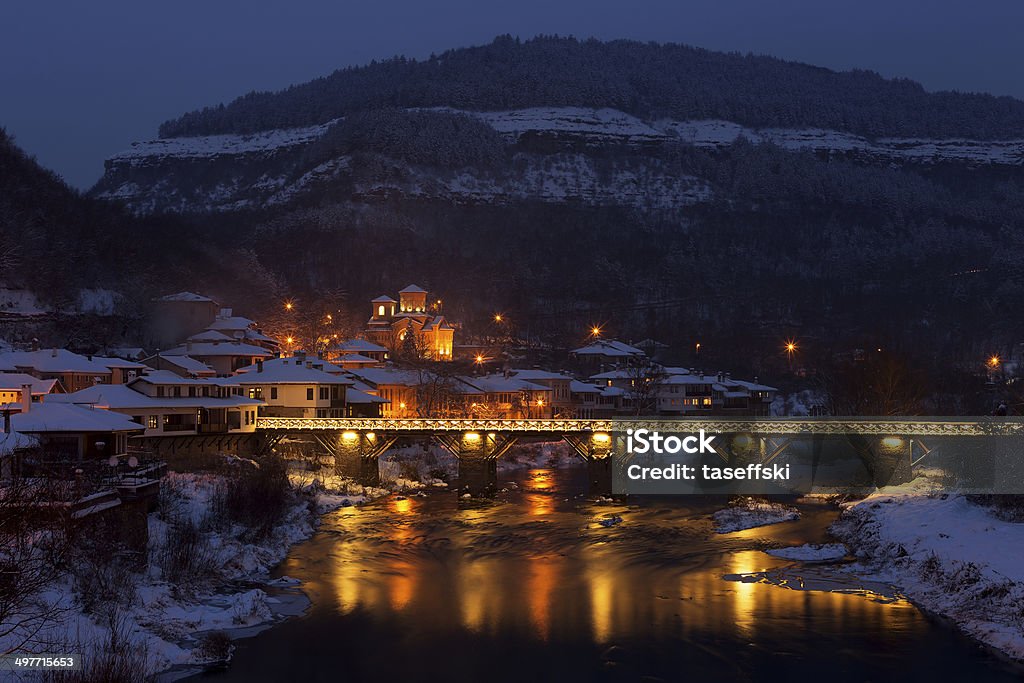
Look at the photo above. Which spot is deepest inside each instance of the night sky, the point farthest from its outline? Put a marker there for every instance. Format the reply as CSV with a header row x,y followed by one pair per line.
x,y
82,80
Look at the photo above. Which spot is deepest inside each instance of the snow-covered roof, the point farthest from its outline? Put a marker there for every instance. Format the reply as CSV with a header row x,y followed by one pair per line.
x,y
129,352
210,336
119,363
378,376
54,361
198,350
353,395
165,377
500,383
608,347
187,296
439,323
356,359
188,364
383,299
578,387
121,397
13,381
310,361
54,416
285,373
754,386
534,375
673,370
232,323
360,346
256,335
412,289
613,374
16,441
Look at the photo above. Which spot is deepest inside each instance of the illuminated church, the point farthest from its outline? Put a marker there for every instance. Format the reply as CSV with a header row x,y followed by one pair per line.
x,y
392,321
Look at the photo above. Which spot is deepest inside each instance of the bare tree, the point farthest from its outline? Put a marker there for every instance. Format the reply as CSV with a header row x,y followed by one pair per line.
x,y
34,547
645,382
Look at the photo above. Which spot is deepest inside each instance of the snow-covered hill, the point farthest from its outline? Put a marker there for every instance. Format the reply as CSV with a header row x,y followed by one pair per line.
x,y
232,172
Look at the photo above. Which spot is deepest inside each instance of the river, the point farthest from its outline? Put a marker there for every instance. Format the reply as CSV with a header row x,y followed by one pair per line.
x,y
529,587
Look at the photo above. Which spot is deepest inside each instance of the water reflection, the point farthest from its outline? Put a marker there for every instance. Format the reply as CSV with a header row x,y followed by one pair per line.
x,y
530,573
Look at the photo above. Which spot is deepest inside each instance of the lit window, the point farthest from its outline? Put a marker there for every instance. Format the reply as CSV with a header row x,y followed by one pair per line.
x,y
380,310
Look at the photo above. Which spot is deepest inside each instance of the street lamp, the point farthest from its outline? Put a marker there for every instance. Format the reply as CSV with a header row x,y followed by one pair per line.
x,y
595,331
497,317
993,361
289,305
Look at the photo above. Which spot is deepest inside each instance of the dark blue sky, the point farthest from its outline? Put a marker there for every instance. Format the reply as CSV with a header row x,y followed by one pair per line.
x,y
80,81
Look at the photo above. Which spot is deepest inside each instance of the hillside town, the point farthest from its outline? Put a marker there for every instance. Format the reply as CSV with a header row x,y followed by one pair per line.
x,y
219,373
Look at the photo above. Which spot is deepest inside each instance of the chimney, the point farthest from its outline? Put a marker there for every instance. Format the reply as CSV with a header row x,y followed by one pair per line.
x,y
7,422
53,353
259,365
188,347
26,397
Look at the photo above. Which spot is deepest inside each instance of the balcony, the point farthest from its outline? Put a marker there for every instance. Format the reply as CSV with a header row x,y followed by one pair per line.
x,y
213,428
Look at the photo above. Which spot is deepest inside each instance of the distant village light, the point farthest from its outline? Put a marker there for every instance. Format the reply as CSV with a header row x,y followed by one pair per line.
x,y
497,317
993,361
288,305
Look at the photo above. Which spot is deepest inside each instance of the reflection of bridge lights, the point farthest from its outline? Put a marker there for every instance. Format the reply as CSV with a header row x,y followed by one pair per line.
x,y
349,436
892,442
601,437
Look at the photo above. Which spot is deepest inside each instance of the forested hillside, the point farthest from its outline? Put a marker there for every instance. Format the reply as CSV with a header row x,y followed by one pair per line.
x,y
644,79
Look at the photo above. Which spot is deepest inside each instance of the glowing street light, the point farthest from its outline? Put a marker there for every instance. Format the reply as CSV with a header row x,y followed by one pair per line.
x,y
497,317
595,331
289,305
479,359
993,361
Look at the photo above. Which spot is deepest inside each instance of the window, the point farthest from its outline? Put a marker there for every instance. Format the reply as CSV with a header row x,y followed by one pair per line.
x,y
177,392
256,392
325,393
380,310
309,393
159,392
273,393
152,422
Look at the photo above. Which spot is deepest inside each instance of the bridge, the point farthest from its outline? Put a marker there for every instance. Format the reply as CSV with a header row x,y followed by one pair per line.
x,y
889,447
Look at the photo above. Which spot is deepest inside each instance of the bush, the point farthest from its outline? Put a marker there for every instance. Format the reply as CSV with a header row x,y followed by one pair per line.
x,y
255,495
184,558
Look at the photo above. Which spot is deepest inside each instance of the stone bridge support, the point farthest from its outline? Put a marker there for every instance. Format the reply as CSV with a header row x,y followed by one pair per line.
x,y
357,454
478,454
596,449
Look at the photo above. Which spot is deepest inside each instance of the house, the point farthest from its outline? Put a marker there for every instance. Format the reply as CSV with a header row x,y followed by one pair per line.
x,y
122,371
507,397
298,358
176,316
400,388
183,366
236,327
363,347
606,352
66,431
72,370
559,384
290,388
391,322
167,405
12,385
222,357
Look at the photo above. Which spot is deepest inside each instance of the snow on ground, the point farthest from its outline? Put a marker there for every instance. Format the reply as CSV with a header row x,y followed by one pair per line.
x,y
214,145
827,552
948,555
165,621
747,513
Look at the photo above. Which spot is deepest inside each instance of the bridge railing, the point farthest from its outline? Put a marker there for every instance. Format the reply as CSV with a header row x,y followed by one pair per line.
x,y
940,426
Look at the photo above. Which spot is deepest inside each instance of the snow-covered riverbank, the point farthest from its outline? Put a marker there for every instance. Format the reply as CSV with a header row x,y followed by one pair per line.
x,y
948,555
153,621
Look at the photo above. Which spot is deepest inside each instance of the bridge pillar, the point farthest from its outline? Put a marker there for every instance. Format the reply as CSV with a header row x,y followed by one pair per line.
x,y
478,454
596,450
356,456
